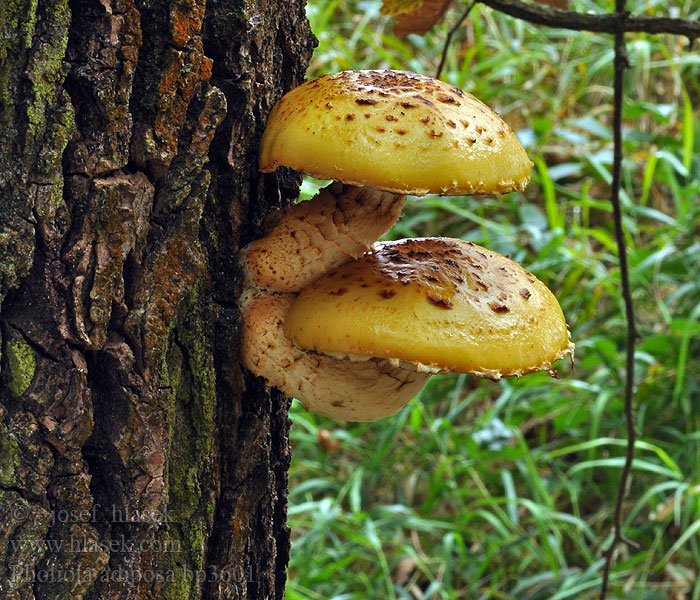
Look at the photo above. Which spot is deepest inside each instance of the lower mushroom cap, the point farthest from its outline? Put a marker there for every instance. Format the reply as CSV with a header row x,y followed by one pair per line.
x,y
441,302
365,390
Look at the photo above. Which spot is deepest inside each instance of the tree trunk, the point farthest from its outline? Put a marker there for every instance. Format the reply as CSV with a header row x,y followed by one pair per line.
x,y
137,460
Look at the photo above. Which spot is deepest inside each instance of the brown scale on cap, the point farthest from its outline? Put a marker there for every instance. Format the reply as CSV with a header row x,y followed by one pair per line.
x,y
441,302
448,99
499,308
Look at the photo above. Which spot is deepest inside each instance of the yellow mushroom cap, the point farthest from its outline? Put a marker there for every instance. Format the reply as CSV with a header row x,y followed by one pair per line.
x,y
396,131
439,303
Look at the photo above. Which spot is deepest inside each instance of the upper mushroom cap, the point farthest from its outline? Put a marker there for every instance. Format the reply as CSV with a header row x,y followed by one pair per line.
x,y
397,131
440,302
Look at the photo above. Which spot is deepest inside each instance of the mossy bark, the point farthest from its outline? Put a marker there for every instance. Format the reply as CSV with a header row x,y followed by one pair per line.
x,y
137,459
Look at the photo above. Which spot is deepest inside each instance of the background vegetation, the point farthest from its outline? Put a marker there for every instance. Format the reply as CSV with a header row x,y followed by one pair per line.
x,y
483,490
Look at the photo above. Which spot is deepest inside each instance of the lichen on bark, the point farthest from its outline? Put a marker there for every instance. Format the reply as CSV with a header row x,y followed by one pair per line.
x,y
35,125
20,366
189,378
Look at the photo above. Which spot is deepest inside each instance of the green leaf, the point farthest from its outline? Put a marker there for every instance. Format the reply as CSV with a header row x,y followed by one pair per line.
x,y
688,130
556,220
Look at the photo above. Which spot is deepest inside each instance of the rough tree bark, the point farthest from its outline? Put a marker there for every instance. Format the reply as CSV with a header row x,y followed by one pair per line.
x,y
137,460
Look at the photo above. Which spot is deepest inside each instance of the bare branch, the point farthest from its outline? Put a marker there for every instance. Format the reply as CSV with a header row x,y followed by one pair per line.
x,y
621,63
452,31
608,23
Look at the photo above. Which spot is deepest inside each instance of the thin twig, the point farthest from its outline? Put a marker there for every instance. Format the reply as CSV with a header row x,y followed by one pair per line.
x,y
448,39
621,64
607,23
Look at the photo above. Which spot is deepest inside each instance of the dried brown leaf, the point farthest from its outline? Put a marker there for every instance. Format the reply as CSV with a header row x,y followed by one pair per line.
x,y
415,16
327,440
403,571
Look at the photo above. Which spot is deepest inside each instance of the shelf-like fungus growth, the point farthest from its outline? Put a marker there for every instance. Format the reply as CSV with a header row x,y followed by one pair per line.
x,y
381,135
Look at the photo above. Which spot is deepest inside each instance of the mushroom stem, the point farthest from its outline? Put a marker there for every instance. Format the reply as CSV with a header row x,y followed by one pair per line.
x,y
311,238
364,390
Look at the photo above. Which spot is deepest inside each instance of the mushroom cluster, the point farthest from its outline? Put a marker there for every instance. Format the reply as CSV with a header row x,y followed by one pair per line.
x,y
355,330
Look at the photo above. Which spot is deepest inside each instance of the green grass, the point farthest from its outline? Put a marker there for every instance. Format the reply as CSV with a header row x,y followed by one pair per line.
x,y
483,490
